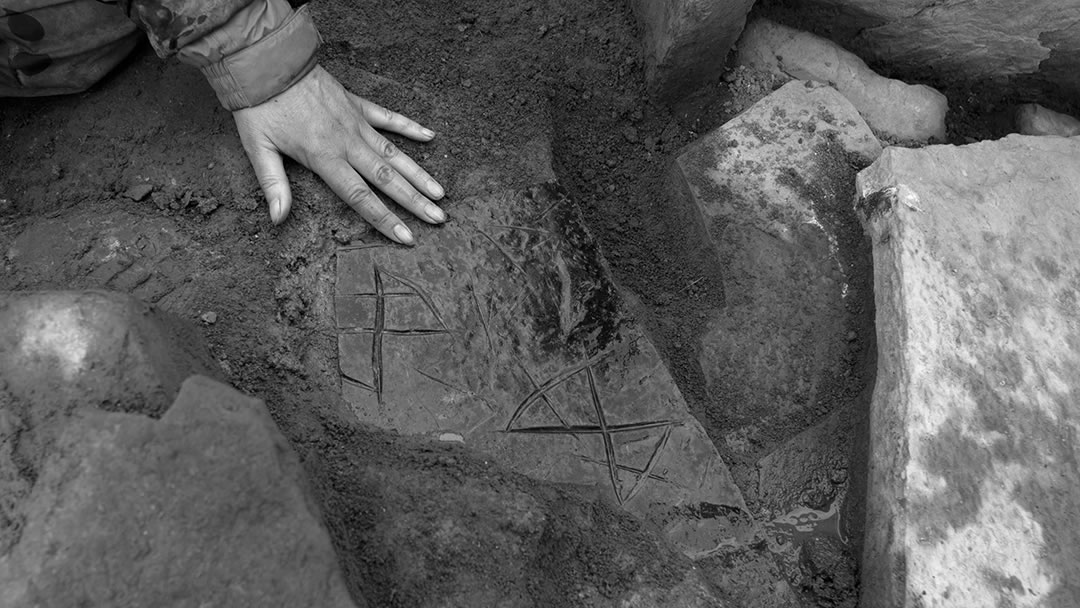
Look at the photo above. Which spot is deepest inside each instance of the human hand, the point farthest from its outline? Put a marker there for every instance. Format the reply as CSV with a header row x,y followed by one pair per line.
x,y
332,132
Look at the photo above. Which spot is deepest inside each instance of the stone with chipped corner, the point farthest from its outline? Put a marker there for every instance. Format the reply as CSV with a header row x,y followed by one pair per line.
x,y
974,482
771,191
504,327
204,507
1033,119
894,109
686,42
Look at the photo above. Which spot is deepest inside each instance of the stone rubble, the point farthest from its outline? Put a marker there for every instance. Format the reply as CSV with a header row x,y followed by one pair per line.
x,y
895,110
1034,119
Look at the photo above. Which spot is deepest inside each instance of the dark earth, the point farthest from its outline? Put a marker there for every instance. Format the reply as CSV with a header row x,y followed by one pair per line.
x,y
148,159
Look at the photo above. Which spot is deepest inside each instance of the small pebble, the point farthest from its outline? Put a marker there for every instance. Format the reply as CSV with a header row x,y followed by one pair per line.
x,y
454,437
209,317
139,191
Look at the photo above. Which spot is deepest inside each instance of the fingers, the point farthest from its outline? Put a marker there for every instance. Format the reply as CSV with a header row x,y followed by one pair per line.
x,y
270,170
382,118
405,166
351,188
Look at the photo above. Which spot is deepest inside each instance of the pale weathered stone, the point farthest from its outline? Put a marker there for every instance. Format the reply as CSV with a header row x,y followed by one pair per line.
x,y
772,189
686,42
974,482
61,352
957,40
64,349
505,328
205,507
1033,119
895,110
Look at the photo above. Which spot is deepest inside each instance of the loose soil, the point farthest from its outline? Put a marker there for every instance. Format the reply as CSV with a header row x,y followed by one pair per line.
x,y
514,88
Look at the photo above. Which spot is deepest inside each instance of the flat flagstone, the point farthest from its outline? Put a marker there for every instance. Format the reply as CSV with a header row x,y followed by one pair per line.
x,y
504,328
974,486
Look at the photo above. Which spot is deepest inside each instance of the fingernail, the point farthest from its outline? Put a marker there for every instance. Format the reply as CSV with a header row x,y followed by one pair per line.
x,y
275,211
404,235
437,215
437,190
428,133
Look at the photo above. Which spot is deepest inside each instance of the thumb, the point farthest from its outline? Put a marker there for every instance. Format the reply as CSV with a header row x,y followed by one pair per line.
x,y
270,170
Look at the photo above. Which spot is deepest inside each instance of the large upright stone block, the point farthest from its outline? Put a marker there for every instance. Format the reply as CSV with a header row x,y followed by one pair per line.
x,y
503,330
974,483
686,42
771,193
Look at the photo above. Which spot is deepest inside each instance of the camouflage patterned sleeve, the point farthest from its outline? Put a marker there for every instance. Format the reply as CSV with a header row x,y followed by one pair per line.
x,y
172,24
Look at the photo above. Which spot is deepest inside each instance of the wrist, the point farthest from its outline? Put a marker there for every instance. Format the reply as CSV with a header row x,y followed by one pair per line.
x,y
259,53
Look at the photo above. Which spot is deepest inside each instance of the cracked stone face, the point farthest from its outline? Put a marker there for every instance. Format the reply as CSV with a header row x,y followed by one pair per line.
x,y
504,328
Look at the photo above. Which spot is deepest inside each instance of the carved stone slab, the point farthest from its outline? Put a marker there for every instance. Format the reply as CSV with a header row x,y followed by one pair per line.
x,y
504,330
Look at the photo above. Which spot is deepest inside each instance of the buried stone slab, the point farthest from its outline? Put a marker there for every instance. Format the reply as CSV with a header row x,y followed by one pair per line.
x,y
974,483
772,191
896,110
504,328
205,507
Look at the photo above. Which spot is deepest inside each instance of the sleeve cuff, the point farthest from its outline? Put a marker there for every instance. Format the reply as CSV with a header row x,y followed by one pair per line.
x,y
268,67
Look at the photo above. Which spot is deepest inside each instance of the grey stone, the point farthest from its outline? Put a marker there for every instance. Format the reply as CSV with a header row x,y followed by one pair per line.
x,y
686,42
205,507
895,110
425,524
974,481
959,40
504,327
772,189
139,191
1033,119
64,352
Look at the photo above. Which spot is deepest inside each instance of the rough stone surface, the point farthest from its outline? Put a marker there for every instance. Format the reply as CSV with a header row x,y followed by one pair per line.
x,y
504,328
61,349
958,40
974,482
1033,119
772,190
205,507
62,352
425,524
895,110
686,42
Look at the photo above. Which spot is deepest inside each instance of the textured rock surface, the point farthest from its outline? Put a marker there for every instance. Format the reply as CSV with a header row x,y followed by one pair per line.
x,y
61,352
205,507
893,109
1033,119
687,41
957,40
504,328
974,482
423,524
772,190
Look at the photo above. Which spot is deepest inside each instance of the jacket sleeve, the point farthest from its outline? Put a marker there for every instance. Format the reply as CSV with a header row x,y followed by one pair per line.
x,y
249,50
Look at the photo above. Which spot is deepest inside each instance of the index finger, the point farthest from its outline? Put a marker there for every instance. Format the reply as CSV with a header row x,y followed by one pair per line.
x,y
383,118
